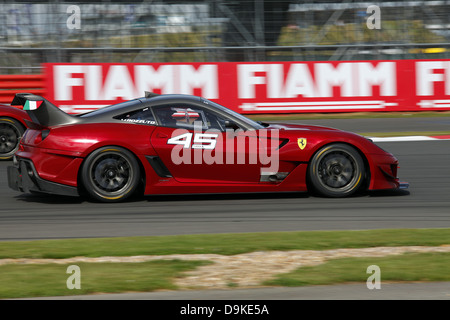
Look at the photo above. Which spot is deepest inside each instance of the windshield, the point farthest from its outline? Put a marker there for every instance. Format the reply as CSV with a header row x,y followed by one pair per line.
x,y
234,114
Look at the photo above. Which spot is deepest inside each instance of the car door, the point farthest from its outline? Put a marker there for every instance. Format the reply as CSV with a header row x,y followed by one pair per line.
x,y
196,147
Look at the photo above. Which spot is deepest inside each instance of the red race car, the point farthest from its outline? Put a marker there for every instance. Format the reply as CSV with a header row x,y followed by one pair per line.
x,y
12,127
179,144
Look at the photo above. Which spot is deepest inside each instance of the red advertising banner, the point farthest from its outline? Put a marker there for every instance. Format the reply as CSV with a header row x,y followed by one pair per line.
x,y
260,87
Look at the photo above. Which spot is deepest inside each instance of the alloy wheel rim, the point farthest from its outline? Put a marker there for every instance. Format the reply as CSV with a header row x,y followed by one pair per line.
x,y
111,173
337,171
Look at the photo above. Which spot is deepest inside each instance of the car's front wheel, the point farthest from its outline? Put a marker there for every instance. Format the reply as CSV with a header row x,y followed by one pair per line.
x,y
336,170
110,174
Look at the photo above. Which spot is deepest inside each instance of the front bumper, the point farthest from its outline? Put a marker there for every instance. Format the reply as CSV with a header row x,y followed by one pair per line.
x,y
403,185
23,177
383,169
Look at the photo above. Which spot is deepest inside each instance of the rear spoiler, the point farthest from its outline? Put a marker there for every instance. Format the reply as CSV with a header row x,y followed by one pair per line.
x,y
42,111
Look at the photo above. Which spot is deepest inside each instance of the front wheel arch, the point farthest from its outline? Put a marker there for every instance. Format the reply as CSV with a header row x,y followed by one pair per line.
x,y
363,185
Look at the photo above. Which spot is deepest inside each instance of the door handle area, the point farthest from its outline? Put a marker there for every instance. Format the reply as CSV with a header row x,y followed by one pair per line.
x,y
161,135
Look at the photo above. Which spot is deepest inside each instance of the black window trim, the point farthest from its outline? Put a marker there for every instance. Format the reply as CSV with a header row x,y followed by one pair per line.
x,y
210,108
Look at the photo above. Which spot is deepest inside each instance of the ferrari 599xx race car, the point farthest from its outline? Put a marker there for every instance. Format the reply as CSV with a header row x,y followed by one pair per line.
x,y
183,144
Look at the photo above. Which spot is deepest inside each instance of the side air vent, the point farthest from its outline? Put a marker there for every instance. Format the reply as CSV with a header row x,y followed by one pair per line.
x,y
159,167
283,143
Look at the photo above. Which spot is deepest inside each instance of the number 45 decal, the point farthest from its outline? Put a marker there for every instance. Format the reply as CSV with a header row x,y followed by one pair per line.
x,y
201,140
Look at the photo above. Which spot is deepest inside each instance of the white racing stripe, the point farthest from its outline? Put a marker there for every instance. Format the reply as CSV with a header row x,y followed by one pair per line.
x,y
406,138
76,109
316,105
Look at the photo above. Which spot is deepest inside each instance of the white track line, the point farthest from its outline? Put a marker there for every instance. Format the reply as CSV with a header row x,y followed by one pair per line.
x,y
407,138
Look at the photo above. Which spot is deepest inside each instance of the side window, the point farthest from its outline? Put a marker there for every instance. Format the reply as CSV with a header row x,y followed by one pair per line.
x,y
141,116
219,122
187,116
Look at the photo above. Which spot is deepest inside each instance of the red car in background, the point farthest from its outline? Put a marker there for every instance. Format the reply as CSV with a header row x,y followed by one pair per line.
x,y
180,144
12,127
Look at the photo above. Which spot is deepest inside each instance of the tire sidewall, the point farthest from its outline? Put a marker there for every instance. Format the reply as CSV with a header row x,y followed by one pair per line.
x,y
95,192
354,185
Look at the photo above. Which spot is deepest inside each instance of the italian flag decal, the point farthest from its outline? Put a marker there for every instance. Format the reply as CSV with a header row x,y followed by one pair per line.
x,y
32,105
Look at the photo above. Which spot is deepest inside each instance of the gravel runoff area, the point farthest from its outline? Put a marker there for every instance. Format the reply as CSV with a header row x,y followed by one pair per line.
x,y
246,270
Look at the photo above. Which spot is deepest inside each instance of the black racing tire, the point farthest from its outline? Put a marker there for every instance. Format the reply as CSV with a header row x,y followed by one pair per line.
x,y
336,170
110,174
11,131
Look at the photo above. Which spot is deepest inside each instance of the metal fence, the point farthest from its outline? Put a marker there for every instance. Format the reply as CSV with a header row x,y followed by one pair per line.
x,y
33,32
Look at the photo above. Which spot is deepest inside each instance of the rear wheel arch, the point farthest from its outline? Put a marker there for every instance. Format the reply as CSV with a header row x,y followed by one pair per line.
x,y
87,188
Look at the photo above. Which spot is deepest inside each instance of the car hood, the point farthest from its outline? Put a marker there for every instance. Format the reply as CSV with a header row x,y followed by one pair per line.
x,y
288,127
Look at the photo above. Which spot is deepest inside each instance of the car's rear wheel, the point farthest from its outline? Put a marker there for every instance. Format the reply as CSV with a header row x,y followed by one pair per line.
x,y
336,170
11,131
110,174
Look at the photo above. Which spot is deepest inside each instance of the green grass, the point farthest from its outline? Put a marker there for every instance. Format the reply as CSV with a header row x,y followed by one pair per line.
x,y
31,280
225,244
408,267
20,281
28,280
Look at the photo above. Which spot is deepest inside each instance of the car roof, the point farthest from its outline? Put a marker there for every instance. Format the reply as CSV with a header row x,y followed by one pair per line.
x,y
108,112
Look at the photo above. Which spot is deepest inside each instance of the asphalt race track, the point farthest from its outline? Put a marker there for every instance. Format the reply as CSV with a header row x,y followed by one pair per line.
x,y
424,164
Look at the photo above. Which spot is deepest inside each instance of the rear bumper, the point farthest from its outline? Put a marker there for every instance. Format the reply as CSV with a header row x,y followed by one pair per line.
x,y
23,177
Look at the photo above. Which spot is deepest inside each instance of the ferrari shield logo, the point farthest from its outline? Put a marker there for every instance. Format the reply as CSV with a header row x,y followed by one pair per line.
x,y
301,143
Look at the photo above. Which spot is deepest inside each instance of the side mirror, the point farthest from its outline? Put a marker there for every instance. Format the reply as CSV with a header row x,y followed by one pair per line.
x,y
231,125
